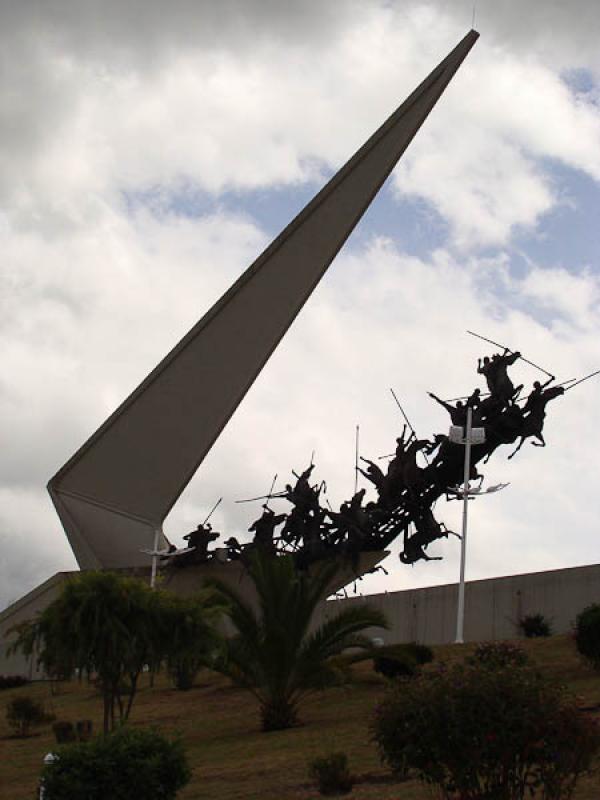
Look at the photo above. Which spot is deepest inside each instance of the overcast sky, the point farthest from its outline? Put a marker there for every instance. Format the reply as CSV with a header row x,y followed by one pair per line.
x,y
150,151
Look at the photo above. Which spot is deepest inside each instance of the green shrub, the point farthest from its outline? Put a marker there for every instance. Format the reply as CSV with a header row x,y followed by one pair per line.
x,y
587,634
401,660
128,763
497,655
24,713
64,731
12,681
534,625
475,731
331,773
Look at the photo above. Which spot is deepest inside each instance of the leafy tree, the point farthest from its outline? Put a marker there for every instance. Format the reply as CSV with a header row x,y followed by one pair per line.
x,y
189,639
273,653
113,626
100,623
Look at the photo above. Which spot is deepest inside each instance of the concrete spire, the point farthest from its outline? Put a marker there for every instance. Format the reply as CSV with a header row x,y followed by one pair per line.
x,y
121,484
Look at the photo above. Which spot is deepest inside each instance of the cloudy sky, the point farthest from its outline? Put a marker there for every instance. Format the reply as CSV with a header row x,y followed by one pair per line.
x,y
150,151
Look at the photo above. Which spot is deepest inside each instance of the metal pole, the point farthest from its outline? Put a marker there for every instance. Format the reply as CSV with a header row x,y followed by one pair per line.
x,y
154,558
356,460
460,616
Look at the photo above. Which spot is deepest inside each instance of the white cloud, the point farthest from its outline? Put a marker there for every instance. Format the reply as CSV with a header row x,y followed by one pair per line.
x,y
245,95
218,116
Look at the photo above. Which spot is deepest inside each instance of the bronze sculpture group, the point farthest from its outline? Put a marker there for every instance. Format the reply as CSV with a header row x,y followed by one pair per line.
x,y
406,489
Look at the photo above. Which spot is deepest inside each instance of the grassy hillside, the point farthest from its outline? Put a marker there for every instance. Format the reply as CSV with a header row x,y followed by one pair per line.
x,y
232,759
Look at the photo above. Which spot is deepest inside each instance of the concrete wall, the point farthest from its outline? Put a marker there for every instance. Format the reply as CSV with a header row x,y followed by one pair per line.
x,y
180,581
26,608
492,607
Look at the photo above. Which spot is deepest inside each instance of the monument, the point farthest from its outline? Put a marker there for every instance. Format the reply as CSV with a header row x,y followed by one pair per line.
x,y
113,495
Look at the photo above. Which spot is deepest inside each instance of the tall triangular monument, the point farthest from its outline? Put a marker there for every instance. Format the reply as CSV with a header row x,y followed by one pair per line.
x,y
118,488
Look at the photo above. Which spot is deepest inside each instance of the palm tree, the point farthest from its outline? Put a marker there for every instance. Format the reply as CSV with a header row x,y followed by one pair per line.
x,y
273,653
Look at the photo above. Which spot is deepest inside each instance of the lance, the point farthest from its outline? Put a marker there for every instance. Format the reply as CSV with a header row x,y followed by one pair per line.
x,y
356,460
213,509
526,360
581,380
262,497
487,394
271,490
412,430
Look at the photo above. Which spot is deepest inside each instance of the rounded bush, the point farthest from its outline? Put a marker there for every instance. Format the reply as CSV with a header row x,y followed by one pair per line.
x,y
13,681
497,655
127,764
24,713
534,625
476,731
402,660
331,774
587,634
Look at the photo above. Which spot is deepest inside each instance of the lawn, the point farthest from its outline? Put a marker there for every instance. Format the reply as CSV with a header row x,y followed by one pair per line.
x,y
232,759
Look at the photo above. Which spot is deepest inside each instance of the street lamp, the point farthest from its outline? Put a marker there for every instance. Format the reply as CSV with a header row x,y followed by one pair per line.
x,y
467,436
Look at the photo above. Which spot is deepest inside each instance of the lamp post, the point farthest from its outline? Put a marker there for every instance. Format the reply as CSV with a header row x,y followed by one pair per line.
x,y
467,437
460,615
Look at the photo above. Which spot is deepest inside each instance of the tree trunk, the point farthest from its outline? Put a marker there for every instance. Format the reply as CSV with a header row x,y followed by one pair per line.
x,y
107,703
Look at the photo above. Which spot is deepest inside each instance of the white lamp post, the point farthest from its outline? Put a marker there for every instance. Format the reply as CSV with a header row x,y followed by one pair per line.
x,y
468,437
460,616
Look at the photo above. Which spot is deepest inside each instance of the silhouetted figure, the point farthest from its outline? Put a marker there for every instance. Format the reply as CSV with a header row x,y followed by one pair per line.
x,y
458,413
374,474
234,548
535,394
199,539
533,421
264,529
495,372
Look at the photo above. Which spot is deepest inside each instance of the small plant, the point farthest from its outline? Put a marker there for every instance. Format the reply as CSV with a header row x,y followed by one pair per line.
x,y
84,728
534,625
497,655
331,774
475,731
24,713
64,732
13,681
128,763
587,634
402,660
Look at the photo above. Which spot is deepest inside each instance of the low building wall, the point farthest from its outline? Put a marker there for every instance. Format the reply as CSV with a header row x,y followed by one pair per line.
x,y
24,609
492,607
